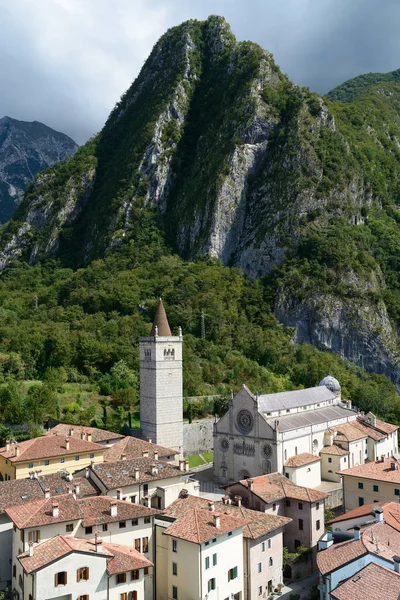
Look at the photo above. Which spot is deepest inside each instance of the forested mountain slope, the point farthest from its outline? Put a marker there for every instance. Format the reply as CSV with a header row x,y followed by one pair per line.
x,y
237,163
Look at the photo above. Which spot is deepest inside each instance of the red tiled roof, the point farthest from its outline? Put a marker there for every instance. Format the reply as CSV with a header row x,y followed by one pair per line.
x,y
259,523
334,450
122,473
197,525
299,460
96,510
391,513
373,582
340,554
348,432
377,470
98,435
360,511
385,427
125,558
47,446
134,447
366,428
274,487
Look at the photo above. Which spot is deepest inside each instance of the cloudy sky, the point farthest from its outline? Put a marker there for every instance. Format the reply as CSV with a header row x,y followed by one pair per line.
x,y
66,62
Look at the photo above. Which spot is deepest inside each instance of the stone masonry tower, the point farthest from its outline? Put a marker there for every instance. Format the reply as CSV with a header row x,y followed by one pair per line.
x,y
161,395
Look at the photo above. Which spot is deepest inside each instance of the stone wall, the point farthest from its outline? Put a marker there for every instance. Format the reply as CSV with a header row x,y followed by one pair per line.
x,y
198,437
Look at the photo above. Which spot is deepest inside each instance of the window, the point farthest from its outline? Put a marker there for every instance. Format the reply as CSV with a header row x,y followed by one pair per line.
x,y
135,575
318,524
259,567
211,584
396,491
146,571
34,536
145,547
260,590
145,489
274,506
30,465
137,544
147,519
135,522
229,533
84,597
46,462
62,460
269,543
174,545
329,459
123,596
300,505
206,543
88,530
263,547
376,488
360,485
271,562
287,502
214,560
214,540
361,502
301,524
207,562
120,578
133,499
14,570
174,568
174,592
232,573
82,574
345,459
122,524
77,457
105,526
317,506
69,527
60,578
297,543
330,471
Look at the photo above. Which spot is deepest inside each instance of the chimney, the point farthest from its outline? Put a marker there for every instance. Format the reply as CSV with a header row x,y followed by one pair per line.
x,y
47,493
77,488
71,432
98,542
17,450
89,437
382,458
87,473
154,470
325,542
396,560
238,500
119,494
7,445
155,455
357,533
217,521
182,465
67,443
137,474
250,483
56,510
148,501
31,474
30,544
186,465
393,466
123,456
113,508
83,435
150,441
377,511
211,506
183,493
145,454
69,490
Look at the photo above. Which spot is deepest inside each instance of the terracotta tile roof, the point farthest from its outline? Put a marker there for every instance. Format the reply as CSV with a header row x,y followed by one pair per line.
x,y
348,432
134,447
299,460
391,513
373,582
385,427
96,510
360,511
377,470
334,450
92,511
119,558
161,321
379,539
58,484
122,473
125,558
197,525
274,487
259,523
19,491
368,430
47,446
98,435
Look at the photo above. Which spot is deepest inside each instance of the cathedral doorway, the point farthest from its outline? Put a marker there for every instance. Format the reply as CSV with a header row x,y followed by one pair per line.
x,y
243,474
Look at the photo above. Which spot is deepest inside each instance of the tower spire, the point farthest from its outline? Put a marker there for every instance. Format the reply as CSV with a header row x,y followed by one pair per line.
x,y
161,322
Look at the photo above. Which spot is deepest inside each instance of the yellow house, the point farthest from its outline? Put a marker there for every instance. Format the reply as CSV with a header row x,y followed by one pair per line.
x,y
47,454
373,482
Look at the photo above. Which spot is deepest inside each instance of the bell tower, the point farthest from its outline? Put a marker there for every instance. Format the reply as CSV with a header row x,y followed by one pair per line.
x,y
161,393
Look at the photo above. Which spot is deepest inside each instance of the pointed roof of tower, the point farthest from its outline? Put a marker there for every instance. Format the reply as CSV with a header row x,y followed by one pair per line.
x,y
161,321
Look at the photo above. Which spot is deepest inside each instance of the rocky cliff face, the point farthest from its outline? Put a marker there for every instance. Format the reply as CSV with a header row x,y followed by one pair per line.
x,y
242,165
25,149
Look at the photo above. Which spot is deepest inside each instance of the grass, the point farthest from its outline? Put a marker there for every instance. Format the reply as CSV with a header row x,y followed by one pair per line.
x,y
200,459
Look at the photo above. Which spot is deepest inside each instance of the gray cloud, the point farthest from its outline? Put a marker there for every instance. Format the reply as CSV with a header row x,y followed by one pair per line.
x,y
66,62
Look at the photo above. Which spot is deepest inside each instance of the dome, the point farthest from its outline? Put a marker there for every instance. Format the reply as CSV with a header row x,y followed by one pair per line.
x,y
331,383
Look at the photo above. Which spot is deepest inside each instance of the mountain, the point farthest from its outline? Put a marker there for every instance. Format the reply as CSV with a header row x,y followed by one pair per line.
x,y
25,149
213,146
354,88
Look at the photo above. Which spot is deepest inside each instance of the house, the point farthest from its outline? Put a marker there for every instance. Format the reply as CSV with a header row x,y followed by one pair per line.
x,y
119,522
199,554
262,541
275,494
389,512
91,434
49,454
369,583
131,447
143,480
379,543
377,481
67,567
